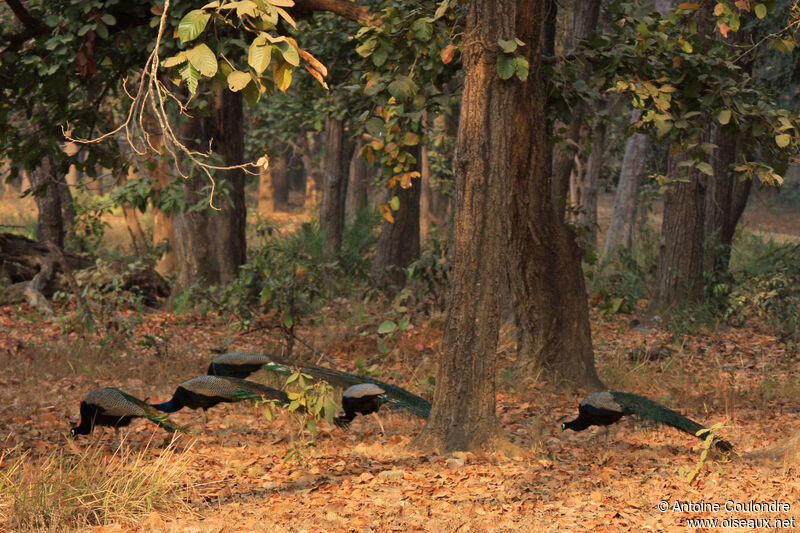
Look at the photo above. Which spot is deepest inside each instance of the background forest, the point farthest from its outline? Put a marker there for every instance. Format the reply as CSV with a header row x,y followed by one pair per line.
x,y
493,207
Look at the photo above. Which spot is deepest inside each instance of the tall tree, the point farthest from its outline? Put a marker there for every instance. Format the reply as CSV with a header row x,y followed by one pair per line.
x,y
336,170
463,415
543,260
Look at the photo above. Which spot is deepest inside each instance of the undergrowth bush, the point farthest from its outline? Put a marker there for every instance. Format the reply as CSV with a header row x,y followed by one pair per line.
x,y
75,489
767,285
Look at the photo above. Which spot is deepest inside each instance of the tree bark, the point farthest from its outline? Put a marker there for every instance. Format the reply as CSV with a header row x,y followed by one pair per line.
x,y
679,275
210,244
266,192
138,239
591,181
359,182
626,199
463,415
280,175
338,151
398,243
426,194
583,25
543,260
45,185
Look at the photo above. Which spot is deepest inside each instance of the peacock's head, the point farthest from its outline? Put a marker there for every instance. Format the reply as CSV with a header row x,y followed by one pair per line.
x,y
563,424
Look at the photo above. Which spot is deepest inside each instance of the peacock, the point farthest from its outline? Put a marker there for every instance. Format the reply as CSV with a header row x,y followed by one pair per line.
x,y
605,408
112,407
245,363
364,398
242,364
203,392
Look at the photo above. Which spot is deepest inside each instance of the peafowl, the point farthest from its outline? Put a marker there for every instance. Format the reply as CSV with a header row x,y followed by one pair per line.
x,y
242,364
111,407
364,398
605,408
390,395
203,392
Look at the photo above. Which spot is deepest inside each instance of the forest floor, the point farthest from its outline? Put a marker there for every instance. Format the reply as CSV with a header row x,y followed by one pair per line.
x,y
241,471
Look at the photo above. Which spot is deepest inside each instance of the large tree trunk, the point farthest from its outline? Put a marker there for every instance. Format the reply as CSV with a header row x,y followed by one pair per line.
x,y
679,275
463,415
398,243
583,25
338,151
623,215
543,260
45,185
211,244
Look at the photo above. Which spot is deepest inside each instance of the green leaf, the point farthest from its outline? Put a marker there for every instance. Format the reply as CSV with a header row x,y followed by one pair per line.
x,y
380,56
192,25
662,126
508,46
506,66
374,126
238,80
705,168
191,76
783,140
287,318
761,10
724,116
423,31
290,54
521,67
259,54
108,19
402,87
203,59
282,75
387,326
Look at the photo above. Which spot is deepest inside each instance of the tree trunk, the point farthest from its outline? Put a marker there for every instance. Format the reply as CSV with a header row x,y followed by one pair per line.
x,y
679,275
719,200
463,415
266,194
398,243
591,182
280,175
583,25
210,244
138,240
163,221
543,260
338,151
45,185
623,215
426,194
359,182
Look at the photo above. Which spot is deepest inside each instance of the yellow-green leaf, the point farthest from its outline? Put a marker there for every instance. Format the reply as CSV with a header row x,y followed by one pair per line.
x,y
724,116
259,54
238,80
175,60
282,75
761,10
783,140
203,59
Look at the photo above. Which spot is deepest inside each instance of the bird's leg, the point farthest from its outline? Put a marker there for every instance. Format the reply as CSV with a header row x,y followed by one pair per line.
x,y
375,413
205,417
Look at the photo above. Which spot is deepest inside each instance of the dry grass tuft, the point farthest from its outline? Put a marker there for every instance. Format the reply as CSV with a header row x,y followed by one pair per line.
x,y
76,488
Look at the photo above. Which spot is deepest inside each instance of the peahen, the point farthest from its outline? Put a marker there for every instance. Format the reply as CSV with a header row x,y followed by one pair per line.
x,y
203,392
605,408
112,407
242,364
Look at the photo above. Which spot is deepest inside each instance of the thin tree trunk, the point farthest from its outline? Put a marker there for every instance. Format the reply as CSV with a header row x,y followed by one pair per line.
x,y
591,182
359,182
338,151
583,25
543,260
426,194
626,199
398,243
266,192
163,221
138,240
463,415
49,221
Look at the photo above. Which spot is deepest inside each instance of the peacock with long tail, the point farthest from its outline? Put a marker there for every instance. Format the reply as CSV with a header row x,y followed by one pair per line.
x,y
203,392
239,363
242,364
111,407
605,408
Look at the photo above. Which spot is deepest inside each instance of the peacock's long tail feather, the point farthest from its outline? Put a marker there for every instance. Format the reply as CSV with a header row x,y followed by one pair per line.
x,y
647,409
395,396
153,414
250,390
